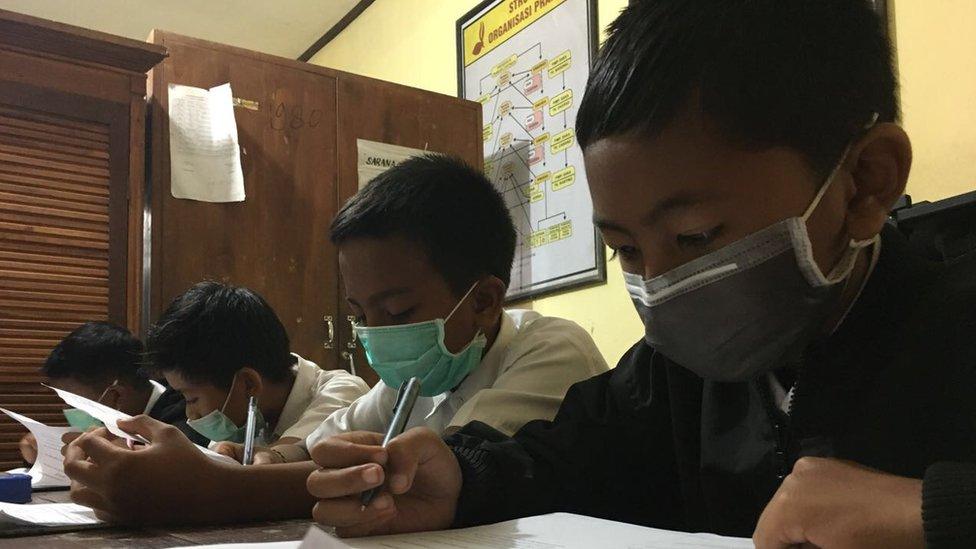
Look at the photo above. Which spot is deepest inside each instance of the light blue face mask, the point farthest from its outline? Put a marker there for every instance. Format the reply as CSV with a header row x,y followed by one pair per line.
x,y
218,427
398,353
82,420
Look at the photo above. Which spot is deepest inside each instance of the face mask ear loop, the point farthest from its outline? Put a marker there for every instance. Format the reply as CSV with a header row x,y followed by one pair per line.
x,y
471,289
833,173
229,391
105,392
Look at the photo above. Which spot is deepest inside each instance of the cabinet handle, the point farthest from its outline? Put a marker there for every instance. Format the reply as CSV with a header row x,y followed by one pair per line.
x,y
351,344
346,355
330,328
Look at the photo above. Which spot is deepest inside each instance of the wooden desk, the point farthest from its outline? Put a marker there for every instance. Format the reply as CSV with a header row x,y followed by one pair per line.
x,y
156,537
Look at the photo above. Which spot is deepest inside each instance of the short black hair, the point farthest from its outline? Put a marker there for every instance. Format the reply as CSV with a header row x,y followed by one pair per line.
x,y
213,330
803,74
449,208
96,354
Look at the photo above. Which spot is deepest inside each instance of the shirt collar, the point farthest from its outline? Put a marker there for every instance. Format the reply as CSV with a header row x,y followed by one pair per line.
x,y
298,398
485,374
157,391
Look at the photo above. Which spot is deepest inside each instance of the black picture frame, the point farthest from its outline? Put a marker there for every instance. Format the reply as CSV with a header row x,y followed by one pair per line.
x,y
592,27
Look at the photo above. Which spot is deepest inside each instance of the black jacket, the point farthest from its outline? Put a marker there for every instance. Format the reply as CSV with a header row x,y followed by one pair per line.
x,y
651,443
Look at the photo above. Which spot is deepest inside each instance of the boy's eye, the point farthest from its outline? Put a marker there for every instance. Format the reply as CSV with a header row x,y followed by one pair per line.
x,y
190,400
626,253
698,239
359,320
402,316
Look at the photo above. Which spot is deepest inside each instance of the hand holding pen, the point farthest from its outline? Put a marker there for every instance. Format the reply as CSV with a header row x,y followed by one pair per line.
x,y
406,398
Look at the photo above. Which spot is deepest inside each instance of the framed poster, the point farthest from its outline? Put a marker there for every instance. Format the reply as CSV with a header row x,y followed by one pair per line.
x,y
526,62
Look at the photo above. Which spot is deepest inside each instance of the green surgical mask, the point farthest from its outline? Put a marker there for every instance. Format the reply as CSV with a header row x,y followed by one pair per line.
x,y
218,427
82,420
398,353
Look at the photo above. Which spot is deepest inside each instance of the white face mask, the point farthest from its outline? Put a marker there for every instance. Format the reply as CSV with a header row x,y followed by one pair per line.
x,y
749,307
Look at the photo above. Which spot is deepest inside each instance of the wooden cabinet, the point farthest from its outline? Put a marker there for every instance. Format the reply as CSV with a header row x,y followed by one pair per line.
x,y
72,153
276,241
74,187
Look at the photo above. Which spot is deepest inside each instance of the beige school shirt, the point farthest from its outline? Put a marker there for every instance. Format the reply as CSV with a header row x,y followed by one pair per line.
x,y
315,395
523,376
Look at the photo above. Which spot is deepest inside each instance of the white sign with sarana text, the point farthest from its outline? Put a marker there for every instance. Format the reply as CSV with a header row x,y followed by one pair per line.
x,y
375,158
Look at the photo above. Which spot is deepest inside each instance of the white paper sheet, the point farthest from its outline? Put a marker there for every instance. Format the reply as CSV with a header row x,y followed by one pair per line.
x,y
51,514
555,531
204,152
48,468
111,416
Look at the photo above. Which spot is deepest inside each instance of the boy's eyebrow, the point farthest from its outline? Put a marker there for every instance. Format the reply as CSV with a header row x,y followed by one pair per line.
x,y
677,201
376,298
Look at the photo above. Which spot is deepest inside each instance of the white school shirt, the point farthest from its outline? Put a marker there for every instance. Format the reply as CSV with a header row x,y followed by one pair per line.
x,y
523,376
315,395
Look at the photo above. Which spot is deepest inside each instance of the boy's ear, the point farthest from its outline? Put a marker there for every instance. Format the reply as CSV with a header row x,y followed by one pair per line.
x,y
252,381
489,297
880,162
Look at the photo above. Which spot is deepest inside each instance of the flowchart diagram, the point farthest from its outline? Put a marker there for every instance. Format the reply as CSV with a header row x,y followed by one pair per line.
x,y
530,91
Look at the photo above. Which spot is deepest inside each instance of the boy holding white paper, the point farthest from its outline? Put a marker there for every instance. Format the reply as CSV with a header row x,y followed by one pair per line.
x,y
102,362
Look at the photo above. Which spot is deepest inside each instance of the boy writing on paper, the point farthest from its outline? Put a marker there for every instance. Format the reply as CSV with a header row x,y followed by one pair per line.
x,y
428,301
219,345
803,377
425,251
101,362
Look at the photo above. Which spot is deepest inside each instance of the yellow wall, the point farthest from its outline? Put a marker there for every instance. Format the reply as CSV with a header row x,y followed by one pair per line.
x,y
936,49
412,42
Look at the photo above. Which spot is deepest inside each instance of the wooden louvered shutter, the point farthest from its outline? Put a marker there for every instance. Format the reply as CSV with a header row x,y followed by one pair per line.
x,y
72,157
62,238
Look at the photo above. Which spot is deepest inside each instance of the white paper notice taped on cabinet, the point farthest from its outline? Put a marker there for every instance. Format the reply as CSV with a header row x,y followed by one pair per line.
x,y
204,152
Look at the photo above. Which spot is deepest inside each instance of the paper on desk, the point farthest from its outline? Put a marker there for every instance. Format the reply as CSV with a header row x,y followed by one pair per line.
x,y
111,416
49,514
555,531
204,153
48,468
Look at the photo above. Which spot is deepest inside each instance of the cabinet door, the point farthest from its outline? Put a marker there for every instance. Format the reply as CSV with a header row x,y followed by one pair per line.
x,y
276,241
389,113
63,198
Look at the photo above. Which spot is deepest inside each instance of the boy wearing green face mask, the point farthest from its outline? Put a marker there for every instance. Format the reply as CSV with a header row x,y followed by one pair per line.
x,y
101,362
425,251
428,305
219,345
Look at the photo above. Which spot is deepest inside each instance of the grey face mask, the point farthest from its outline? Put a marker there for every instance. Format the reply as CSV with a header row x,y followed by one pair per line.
x,y
747,308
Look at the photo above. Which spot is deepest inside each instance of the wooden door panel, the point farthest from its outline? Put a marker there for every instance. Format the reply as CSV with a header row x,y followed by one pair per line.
x,y
389,113
63,190
274,242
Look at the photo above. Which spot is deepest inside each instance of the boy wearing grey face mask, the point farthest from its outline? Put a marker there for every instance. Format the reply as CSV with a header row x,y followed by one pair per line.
x,y
804,377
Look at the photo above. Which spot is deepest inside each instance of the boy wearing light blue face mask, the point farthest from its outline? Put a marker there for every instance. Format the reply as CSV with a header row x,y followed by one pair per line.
x,y
102,362
429,305
219,345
